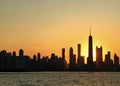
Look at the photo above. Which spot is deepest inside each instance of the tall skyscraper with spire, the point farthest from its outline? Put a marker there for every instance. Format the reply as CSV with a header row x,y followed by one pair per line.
x,y
90,52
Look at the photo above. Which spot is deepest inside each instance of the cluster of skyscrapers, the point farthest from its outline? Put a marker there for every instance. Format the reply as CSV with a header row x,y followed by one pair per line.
x,y
99,65
11,62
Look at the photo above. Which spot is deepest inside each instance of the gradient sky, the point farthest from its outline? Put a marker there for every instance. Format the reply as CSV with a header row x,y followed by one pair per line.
x,y
46,26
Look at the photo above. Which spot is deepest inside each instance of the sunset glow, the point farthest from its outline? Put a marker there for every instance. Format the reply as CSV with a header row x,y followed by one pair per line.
x,y
47,26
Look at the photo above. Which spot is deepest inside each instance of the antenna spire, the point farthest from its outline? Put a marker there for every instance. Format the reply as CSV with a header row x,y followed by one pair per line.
x,y
90,30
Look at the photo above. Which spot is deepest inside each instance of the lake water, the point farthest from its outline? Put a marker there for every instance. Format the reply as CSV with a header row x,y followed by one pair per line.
x,y
60,79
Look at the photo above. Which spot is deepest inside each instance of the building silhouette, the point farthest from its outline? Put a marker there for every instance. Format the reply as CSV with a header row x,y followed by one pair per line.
x,y
8,61
14,54
63,53
13,60
3,58
39,65
21,53
38,56
20,60
63,61
79,50
108,62
72,60
80,59
116,59
116,62
99,58
90,54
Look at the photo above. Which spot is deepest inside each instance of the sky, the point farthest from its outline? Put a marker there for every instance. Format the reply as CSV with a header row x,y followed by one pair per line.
x,y
47,26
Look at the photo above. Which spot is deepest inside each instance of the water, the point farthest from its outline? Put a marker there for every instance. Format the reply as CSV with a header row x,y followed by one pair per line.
x,y
60,79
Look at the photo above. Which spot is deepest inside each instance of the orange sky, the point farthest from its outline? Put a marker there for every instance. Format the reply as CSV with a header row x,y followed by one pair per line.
x,y
47,26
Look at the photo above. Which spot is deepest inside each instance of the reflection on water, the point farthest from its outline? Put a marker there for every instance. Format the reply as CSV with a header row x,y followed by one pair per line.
x,y
60,79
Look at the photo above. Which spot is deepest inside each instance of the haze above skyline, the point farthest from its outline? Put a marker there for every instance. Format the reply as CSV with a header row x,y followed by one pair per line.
x,y
47,26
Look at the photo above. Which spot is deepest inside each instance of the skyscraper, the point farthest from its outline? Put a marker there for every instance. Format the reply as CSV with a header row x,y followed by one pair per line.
x,y
63,61
99,59
21,53
116,62
90,53
108,61
14,54
79,50
107,57
38,56
116,59
80,59
63,53
72,60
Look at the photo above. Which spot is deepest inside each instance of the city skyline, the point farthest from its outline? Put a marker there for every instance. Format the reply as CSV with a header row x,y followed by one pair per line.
x,y
46,26
77,51
11,62
74,57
